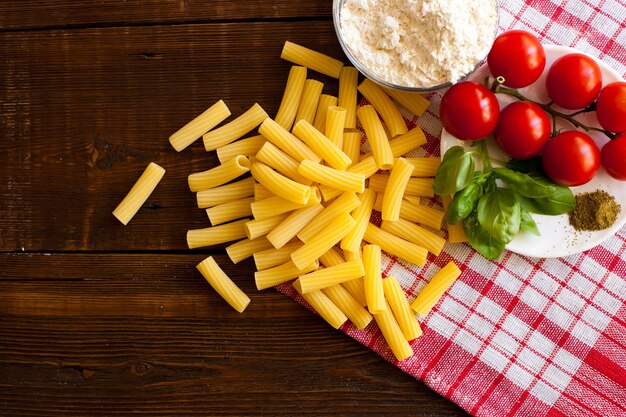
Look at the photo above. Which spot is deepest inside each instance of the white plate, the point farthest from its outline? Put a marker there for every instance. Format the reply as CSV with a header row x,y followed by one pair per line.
x,y
558,238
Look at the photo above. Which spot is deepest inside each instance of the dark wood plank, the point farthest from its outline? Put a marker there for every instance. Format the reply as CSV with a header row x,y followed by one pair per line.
x,y
84,111
28,14
86,335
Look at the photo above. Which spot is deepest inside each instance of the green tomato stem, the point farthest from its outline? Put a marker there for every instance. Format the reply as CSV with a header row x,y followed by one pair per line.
x,y
484,156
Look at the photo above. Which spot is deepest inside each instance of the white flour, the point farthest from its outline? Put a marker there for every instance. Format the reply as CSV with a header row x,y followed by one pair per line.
x,y
419,43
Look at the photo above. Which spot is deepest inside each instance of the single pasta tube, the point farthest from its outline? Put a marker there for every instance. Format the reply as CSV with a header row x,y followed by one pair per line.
x,y
420,187
235,129
334,275
272,257
356,288
309,100
352,256
225,193
399,247
288,229
347,202
401,308
334,178
435,288
287,142
273,157
219,175
331,258
373,279
376,136
424,166
206,121
393,335
456,233
280,185
348,79
413,102
257,228
325,240
348,305
311,59
405,143
215,235
139,193
321,145
291,97
260,192
395,188
352,146
325,102
271,277
230,211
335,123
415,212
384,106
366,167
245,248
224,286
415,234
323,306
362,214
246,147
273,206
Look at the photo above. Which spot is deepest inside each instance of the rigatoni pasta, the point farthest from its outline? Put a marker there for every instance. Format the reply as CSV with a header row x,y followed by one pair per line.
x,y
139,193
215,235
230,211
395,188
425,166
225,193
288,229
376,136
273,206
260,192
271,277
291,97
246,147
321,145
219,175
257,228
420,187
235,129
399,247
333,275
401,308
309,100
279,184
348,305
415,234
413,102
384,106
362,214
224,286
347,202
311,59
348,79
287,142
272,257
435,288
245,248
456,233
273,157
206,121
334,178
335,123
324,103
374,293
393,335
323,306
352,145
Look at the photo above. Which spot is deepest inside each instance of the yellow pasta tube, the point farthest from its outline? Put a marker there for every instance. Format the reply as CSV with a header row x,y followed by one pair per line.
x,y
331,258
219,175
376,136
399,247
366,167
311,59
273,206
415,234
395,188
333,275
321,145
374,293
323,306
235,129
348,79
435,288
272,257
335,123
279,184
288,229
287,142
260,192
225,193
257,228
273,157
215,235
291,97
326,239
224,286
356,288
413,102
352,146
424,166
230,211
272,277
344,204
206,121
384,106
404,144
309,100
139,193
334,178
420,187
401,308
348,305
393,335
456,233
245,248
246,147
352,256
325,102
424,215
362,214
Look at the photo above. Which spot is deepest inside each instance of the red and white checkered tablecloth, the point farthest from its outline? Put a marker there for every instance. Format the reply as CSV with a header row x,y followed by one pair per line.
x,y
526,336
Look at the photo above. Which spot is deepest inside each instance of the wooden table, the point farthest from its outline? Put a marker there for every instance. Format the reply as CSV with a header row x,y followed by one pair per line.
x,y
97,318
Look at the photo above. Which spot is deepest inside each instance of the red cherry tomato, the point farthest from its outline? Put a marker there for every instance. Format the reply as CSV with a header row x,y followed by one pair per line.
x,y
518,56
469,110
571,158
613,157
611,107
574,81
523,130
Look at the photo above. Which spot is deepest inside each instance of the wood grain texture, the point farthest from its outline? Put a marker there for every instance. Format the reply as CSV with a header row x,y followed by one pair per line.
x,y
106,334
29,14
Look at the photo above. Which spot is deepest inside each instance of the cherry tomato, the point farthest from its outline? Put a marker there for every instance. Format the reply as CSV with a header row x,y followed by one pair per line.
x,y
518,56
571,158
613,157
574,81
469,110
523,130
611,107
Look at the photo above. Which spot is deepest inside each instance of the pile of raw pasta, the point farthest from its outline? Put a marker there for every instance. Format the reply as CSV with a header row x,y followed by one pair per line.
x,y
310,191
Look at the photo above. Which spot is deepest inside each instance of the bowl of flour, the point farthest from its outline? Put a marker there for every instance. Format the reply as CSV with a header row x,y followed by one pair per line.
x,y
416,45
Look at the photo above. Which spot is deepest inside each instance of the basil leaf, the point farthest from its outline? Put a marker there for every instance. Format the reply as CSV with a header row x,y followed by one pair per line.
x,y
527,224
526,166
464,202
561,202
533,186
480,239
499,213
455,172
